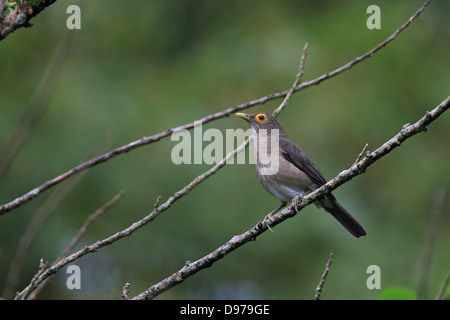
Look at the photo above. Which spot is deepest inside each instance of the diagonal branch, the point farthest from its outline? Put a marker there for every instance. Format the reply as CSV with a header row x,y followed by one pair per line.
x,y
94,216
443,290
319,288
237,241
156,137
296,82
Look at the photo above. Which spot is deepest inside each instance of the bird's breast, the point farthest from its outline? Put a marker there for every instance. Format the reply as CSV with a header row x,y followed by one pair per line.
x,y
287,182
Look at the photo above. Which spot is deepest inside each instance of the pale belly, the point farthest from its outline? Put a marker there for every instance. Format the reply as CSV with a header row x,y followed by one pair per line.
x,y
287,183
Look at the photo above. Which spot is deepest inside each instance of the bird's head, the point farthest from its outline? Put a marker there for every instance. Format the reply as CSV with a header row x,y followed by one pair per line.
x,y
260,121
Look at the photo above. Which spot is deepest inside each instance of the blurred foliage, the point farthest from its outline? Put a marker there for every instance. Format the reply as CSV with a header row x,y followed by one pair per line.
x,y
140,67
398,293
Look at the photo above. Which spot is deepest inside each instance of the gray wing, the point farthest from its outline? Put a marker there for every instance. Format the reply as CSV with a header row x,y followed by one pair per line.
x,y
292,153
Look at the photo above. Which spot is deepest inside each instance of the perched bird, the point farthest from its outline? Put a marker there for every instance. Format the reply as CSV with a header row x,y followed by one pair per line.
x,y
288,172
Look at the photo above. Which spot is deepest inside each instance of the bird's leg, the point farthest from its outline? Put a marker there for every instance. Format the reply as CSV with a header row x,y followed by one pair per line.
x,y
269,217
294,202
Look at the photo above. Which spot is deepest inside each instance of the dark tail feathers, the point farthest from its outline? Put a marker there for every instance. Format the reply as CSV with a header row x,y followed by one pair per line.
x,y
341,215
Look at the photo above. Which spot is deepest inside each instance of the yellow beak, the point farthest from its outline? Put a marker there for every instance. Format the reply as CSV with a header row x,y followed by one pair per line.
x,y
243,116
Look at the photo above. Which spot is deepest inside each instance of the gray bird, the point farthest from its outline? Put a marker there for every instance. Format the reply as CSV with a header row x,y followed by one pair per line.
x,y
289,172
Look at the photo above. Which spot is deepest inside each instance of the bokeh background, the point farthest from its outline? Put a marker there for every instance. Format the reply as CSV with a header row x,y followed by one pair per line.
x,y
137,68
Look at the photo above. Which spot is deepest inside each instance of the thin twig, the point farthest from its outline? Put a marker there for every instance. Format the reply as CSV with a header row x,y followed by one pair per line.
x,y
94,216
361,153
88,222
42,215
441,293
295,84
324,277
147,140
26,240
125,290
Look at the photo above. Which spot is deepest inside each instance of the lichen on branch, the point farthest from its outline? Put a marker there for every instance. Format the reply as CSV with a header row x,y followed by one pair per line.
x,y
17,14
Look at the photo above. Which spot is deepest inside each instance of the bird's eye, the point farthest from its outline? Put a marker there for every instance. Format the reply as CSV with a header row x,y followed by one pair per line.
x,y
261,118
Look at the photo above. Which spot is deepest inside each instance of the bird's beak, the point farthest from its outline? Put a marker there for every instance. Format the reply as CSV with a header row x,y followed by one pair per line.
x,y
243,116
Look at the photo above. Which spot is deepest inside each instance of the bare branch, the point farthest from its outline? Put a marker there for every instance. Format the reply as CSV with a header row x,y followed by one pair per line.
x,y
150,139
125,290
78,236
441,293
26,240
88,222
324,277
296,82
361,153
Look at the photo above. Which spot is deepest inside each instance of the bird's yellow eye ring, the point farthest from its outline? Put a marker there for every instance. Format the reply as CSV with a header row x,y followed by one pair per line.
x,y
261,118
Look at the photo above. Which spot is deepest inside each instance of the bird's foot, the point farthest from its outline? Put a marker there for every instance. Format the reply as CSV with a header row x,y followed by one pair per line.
x,y
268,219
294,203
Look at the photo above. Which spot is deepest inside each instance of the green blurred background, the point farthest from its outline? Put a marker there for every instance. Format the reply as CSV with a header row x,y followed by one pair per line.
x,y
140,67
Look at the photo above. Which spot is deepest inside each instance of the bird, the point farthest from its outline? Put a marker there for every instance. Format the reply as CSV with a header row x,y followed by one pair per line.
x,y
290,173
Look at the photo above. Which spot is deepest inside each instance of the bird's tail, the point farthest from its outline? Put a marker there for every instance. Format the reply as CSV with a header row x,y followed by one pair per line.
x,y
331,205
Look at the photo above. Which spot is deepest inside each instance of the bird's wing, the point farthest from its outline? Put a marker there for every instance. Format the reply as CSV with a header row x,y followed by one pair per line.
x,y
292,153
